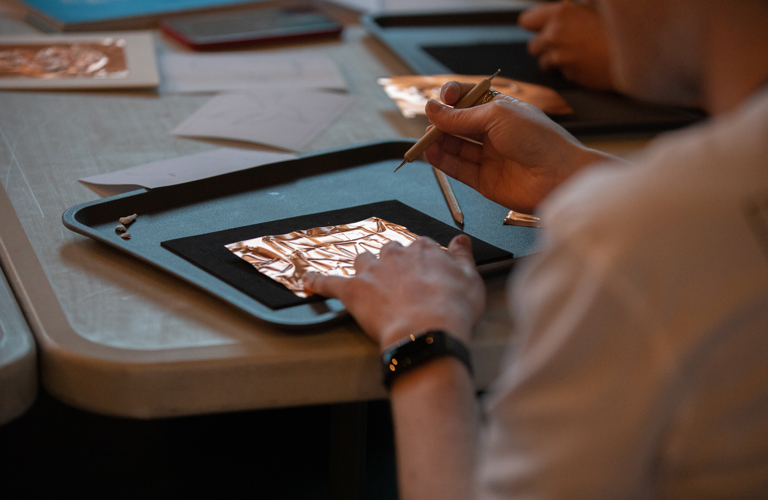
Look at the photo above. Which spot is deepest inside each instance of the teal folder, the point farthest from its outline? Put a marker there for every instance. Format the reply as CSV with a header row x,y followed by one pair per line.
x,y
87,15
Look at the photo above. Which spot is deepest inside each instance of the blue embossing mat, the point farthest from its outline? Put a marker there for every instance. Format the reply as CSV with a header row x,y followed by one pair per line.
x,y
336,180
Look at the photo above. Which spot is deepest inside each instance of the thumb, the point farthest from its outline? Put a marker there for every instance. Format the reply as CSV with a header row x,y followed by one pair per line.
x,y
460,248
470,122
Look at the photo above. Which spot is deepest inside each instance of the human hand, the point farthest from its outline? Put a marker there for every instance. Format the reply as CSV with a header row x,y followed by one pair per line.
x,y
408,290
523,154
571,37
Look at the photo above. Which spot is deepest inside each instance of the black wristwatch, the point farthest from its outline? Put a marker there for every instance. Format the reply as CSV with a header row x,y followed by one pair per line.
x,y
418,350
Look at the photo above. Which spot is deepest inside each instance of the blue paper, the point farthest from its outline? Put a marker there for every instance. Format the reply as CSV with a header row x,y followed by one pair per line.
x,y
85,11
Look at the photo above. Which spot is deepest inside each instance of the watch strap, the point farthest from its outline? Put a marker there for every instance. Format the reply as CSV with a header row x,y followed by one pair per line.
x,y
417,350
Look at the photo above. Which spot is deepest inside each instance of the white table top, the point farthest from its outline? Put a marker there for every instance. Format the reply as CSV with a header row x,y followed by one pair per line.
x,y
117,336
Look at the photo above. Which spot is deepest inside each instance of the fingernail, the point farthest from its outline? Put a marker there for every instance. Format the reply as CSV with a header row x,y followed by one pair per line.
x,y
464,241
434,107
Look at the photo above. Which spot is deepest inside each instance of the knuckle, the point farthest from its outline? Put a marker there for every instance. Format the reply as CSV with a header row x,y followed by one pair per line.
x,y
420,242
391,248
424,243
363,260
556,57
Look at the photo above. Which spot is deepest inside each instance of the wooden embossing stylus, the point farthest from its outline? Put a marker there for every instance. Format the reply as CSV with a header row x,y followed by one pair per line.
x,y
434,134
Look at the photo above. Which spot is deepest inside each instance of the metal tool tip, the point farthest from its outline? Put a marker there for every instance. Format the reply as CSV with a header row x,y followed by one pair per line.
x,y
398,167
495,74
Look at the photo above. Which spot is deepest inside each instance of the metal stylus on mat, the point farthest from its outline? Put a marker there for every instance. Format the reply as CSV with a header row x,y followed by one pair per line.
x,y
450,196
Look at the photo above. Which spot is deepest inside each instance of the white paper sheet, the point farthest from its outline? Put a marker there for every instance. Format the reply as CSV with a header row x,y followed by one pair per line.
x,y
287,119
243,71
180,170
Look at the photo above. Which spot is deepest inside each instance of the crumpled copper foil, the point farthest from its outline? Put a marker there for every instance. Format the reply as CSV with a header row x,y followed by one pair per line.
x,y
411,93
329,250
102,59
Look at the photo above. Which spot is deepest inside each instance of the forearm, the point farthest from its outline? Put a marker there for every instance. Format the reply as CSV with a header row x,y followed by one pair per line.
x,y
401,300
435,418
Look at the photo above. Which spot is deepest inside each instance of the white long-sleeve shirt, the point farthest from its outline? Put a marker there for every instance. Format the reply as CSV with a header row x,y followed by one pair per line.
x,y
642,368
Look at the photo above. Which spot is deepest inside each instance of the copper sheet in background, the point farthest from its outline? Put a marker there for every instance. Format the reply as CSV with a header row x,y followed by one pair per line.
x,y
104,59
328,250
411,93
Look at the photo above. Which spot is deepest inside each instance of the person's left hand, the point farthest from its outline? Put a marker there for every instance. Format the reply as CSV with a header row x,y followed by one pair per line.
x,y
571,37
409,290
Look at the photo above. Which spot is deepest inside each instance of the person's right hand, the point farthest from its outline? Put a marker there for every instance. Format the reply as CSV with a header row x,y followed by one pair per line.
x,y
408,290
571,37
523,154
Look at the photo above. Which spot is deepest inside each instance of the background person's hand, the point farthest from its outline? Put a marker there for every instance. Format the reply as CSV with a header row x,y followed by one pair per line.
x,y
524,155
408,290
571,37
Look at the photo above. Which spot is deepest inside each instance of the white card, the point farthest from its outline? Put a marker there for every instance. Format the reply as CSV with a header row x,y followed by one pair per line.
x,y
287,119
181,169
247,70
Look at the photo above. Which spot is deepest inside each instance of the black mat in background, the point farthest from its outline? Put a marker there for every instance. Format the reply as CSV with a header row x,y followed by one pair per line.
x,y
208,252
484,59
594,111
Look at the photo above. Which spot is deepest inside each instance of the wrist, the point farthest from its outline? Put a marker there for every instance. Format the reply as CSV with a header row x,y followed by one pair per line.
x,y
584,157
417,351
439,375
401,332
593,156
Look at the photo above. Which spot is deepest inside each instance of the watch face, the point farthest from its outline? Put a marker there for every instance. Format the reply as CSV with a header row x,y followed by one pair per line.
x,y
418,350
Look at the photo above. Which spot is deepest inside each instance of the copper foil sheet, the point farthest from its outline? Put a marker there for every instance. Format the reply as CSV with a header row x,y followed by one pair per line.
x,y
328,250
411,93
102,59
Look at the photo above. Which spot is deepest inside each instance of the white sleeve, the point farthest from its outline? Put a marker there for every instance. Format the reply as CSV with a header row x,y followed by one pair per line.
x,y
640,367
580,408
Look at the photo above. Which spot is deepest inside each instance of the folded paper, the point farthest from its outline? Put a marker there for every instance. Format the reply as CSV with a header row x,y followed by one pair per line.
x,y
283,118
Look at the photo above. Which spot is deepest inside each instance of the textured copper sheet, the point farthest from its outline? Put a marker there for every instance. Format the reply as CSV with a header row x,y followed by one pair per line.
x,y
102,59
411,93
329,250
